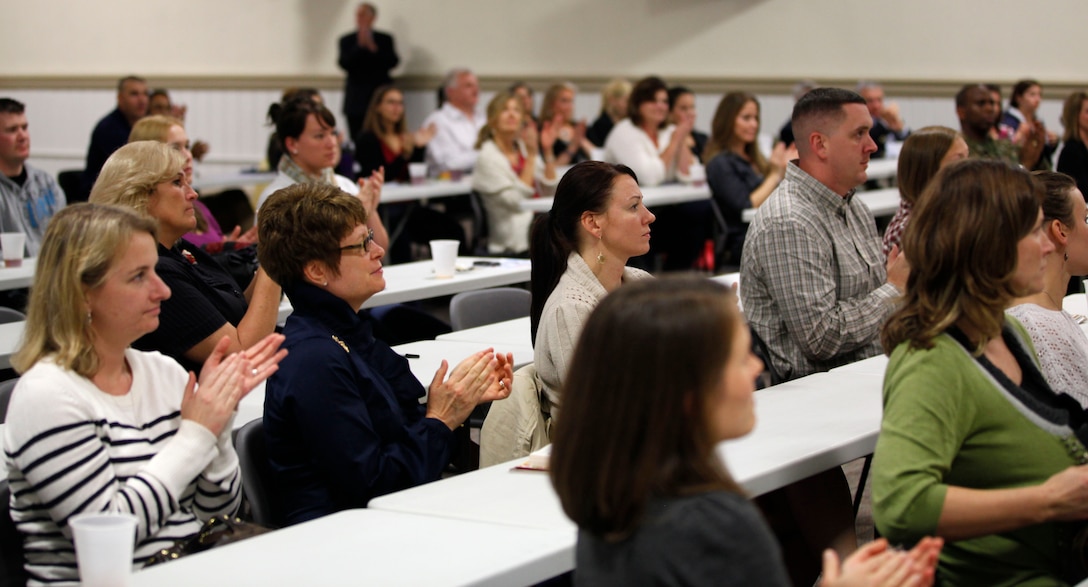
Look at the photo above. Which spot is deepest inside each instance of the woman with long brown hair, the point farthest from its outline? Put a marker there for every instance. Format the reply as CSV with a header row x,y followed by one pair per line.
x,y
739,175
974,446
653,502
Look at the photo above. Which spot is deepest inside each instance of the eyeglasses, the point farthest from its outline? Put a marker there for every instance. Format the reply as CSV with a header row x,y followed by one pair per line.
x,y
365,245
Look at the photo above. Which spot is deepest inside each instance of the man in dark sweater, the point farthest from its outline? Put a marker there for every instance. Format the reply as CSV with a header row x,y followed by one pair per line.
x,y
111,133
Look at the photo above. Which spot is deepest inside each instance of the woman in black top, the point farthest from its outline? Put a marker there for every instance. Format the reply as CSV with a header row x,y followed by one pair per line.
x,y
206,303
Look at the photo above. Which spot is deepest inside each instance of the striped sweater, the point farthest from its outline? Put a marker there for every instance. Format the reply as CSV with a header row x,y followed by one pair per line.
x,y
72,448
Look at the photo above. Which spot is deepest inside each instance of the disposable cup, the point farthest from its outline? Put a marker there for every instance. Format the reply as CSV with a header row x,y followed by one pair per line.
x,y
104,544
418,173
444,253
12,244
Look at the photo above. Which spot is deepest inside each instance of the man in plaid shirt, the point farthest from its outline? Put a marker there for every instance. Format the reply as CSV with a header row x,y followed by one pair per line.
x,y
816,288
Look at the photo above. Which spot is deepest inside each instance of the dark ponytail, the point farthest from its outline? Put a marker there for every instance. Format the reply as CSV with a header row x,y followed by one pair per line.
x,y
586,187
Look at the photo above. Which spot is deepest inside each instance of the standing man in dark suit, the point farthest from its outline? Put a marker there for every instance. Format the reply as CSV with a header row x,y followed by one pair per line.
x,y
367,56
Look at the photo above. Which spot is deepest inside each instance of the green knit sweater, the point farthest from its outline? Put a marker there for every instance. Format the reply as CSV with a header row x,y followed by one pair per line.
x,y
948,422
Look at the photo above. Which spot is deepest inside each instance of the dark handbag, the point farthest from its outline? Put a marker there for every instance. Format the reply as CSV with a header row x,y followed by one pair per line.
x,y
240,262
217,531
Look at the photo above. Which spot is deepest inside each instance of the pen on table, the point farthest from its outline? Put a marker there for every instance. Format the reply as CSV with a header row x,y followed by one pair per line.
x,y
411,356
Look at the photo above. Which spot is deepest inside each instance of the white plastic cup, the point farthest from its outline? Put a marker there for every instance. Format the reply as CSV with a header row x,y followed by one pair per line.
x,y
418,173
104,545
12,244
444,253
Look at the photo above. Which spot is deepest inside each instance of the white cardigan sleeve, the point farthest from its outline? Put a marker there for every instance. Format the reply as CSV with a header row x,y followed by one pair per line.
x,y
629,145
495,179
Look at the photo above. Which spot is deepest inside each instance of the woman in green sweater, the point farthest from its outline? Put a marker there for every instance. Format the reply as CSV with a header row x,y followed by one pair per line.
x,y
974,446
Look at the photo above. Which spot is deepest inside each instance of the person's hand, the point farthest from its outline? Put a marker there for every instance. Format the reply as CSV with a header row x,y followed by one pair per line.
x,y
452,400
778,159
684,126
424,135
1066,494
221,388
890,116
898,269
199,149
264,360
875,565
248,237
370,190
549,132
500,389
178,111
530,138
365,38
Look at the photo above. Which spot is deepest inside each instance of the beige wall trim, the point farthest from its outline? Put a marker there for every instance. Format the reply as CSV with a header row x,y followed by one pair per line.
x,y
704,85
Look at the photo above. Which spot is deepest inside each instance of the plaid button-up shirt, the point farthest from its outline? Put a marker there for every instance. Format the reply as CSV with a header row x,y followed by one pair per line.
x,y
813,278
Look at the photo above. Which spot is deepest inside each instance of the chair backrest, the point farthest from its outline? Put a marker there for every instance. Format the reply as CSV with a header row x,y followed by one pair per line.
x,y
257,483
480,229
519,424
6,387
486,306
8,315
71,182
12,571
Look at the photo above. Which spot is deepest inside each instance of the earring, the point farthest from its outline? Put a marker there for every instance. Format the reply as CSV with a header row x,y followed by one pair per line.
x,y
1066,256
326,284
88,316
600,255
295,152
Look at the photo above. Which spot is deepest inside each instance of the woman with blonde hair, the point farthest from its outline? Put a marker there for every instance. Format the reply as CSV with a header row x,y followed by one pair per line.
x,y
653,502
614,97
170,130
95,426
515,164
974,445
207,304
571,145
739,175
924,153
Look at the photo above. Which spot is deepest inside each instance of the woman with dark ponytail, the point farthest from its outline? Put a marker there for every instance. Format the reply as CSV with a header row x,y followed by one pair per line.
x,y
579,252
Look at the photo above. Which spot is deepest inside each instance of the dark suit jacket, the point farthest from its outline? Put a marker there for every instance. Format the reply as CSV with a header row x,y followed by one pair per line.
x,y
366,70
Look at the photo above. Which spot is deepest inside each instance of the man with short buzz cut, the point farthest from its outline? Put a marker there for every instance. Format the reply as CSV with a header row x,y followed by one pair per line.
x,y
456,123
978,106
815,285
29,197
111,133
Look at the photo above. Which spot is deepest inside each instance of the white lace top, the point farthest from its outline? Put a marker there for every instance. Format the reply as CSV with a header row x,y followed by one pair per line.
x,y
1062,348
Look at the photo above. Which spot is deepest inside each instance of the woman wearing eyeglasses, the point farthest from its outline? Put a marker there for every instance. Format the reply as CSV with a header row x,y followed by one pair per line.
x,y
343,420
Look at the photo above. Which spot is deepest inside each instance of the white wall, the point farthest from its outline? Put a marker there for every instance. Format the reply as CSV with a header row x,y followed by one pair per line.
x,y
831,39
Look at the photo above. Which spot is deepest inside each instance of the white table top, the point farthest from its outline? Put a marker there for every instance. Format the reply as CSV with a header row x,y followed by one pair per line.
x,y
425,356
871,366
802,427
881,203
661,195
433,188
806,426
882,168
17,277
514,332
370,547
237,179
416,281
